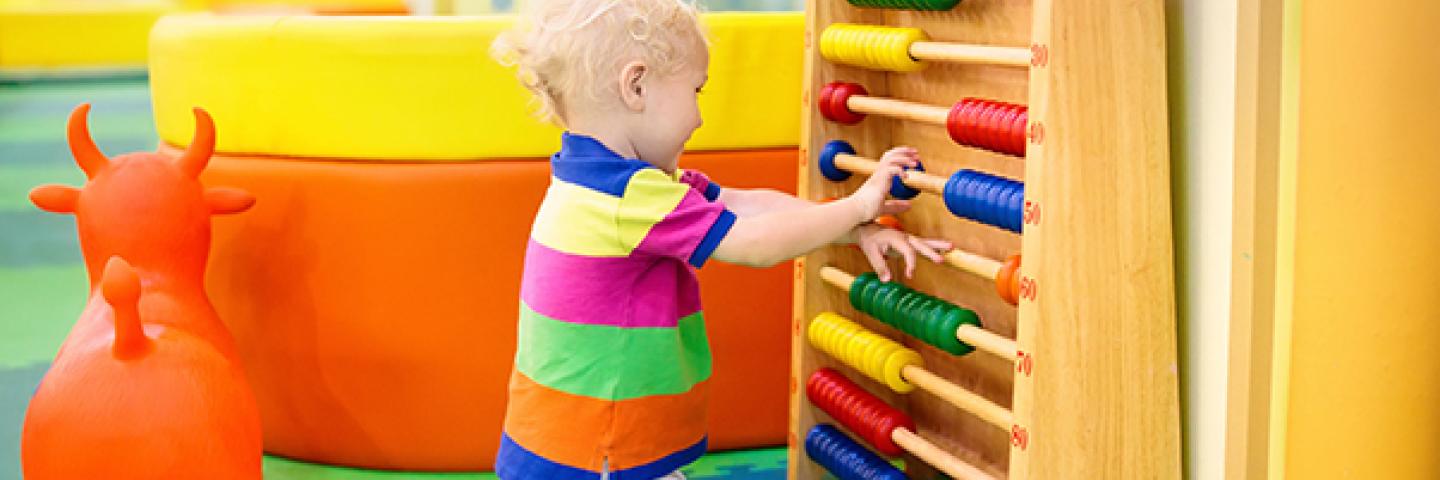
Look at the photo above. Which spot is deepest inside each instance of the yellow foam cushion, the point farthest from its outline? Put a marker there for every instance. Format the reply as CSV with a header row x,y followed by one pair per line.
x,y
321,6
77,34
425,88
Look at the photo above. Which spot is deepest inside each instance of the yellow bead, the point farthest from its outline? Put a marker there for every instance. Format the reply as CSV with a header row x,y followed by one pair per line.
x,y
872,46
872,354
896,364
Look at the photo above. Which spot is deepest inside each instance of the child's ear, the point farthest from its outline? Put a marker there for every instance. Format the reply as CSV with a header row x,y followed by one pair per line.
x,y
55,198
224,200
632,85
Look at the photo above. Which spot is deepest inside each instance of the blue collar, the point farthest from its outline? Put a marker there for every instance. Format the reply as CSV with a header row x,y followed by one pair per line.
x,y
574,145
584,161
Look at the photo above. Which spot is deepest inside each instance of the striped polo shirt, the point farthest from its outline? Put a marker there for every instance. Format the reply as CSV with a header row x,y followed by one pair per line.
x,y
612,365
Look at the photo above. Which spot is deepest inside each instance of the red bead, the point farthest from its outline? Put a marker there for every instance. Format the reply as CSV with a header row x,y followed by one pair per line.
x,y
857,410
839,103
987,124
1017,131
822,101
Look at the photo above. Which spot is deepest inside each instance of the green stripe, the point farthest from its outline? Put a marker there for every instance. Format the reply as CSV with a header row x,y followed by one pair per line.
x,y
613,363
17,180
40,239
30,128
37,308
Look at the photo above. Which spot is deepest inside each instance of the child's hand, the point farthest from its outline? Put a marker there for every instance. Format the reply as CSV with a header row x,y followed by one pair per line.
x,y
875,241
871,195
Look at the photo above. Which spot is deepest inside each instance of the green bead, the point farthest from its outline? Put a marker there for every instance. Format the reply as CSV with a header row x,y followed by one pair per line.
x,y
867,296
857,288
925,317
889,295
936,322
946,327
964,316
935,326
923,310
908,306
909,303
969,317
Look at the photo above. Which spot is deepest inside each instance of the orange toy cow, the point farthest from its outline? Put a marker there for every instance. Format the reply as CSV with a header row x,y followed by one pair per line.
x,y
148,384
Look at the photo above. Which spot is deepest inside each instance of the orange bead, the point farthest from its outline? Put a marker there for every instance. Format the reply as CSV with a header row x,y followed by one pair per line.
x,y
1007,281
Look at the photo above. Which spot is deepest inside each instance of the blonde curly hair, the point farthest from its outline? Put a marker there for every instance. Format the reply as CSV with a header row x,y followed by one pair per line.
x,y
567,51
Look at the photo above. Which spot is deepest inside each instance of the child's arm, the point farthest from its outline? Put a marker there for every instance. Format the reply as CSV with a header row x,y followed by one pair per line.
x,y
792,227
768,239
759,201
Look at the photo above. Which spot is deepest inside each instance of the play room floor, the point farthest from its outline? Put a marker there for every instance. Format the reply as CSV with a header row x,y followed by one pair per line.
x,y
42,278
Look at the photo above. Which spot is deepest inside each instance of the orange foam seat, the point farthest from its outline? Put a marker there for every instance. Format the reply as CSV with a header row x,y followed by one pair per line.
x,y
375,305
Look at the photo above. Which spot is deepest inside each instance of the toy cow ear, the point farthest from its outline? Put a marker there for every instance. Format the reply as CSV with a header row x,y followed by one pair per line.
x,y
224,200
55,198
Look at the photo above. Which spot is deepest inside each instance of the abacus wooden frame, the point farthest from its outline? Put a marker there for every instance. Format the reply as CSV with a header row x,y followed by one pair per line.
x,y
1096,392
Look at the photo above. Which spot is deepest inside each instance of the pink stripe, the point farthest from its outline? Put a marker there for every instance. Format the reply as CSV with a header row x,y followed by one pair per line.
x,y
682,229
635,291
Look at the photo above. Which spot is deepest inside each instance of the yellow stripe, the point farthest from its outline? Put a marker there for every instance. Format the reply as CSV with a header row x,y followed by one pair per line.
x,y
578,221
649,197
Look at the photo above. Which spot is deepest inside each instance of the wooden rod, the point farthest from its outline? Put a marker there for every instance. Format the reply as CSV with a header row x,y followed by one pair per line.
x,y
837,277
914,178
933,455
988,341
957,52
976,264
958,396
915,112
982,339
855,164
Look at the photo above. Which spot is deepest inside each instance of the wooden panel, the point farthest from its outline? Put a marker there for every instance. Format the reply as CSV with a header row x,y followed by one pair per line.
x,y
1103,401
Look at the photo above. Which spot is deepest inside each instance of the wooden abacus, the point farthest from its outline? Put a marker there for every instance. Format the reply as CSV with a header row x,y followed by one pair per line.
x,y
1041,127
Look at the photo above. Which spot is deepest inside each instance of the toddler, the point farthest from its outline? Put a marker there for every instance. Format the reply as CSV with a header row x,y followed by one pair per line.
x,y
612,363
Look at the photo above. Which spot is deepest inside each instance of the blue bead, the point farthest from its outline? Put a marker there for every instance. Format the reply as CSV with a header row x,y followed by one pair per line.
x,y
902,191
827,160
986,198
1017,208
990,202
845,458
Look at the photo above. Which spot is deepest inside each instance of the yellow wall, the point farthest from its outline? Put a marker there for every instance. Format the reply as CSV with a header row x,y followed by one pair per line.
x,y
55,34
1364,383
425,88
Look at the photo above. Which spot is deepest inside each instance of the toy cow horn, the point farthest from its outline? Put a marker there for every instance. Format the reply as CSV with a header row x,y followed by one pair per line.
x,y
87,155
198,155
